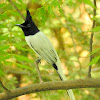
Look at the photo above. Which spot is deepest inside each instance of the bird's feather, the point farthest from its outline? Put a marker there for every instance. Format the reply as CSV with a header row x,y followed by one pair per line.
x,y
41,45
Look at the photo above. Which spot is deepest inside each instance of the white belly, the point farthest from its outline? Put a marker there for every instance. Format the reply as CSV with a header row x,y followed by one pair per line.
x,y
41,45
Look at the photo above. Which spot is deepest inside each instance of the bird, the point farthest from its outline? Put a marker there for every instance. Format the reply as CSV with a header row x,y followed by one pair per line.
x,y
42,46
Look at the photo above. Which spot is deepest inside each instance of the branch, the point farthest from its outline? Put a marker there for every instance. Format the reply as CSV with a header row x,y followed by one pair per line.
x,y
4,87
45,86
38,71
17,9
74,45
72,37
36,64
17,72
91,39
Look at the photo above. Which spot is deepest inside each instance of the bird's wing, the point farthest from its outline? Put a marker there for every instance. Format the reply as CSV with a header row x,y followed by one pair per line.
x,y
43,47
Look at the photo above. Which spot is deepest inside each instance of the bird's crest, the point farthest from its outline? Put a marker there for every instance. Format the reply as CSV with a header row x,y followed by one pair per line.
x,y
28,16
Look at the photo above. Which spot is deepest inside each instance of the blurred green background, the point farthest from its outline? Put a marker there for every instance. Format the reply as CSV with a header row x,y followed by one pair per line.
x,y
67,23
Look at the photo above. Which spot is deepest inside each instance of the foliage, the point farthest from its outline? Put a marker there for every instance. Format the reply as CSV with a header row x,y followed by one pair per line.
x,y
66,26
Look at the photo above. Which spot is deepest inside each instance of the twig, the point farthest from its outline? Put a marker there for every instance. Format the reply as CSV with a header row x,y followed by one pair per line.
x,y
74,45
91,39
17,9
72,37
36,63
38,71
17,72
4,87
45,86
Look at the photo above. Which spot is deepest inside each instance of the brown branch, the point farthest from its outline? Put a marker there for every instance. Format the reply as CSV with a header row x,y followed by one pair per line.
x,y
17,72
17,9
91,39
45,86
36,64
4,87
38,71
72,37
74,45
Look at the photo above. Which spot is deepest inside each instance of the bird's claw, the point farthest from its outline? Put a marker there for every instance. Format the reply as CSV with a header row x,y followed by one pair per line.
x,y
38,61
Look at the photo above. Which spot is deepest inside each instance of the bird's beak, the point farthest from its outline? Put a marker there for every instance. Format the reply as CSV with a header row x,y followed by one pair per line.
x,y
19,25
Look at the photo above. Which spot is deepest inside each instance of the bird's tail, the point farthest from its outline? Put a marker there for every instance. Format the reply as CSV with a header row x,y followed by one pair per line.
x,y
63,77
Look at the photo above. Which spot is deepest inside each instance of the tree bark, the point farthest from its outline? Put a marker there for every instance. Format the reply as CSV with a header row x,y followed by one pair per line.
x,y
46,86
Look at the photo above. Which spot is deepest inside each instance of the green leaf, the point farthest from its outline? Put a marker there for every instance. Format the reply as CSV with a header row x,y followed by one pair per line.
x,y
20,1
23,49
5,57
55,3
8,63
94,51
94,18
43,15
2,4
70,3
1,72
4,47
4,15
80,1
18,5
23,66
50,10
2,52
15,13
3,37
3,26
19,35
22,44
96,29
94,61
89,3
22,58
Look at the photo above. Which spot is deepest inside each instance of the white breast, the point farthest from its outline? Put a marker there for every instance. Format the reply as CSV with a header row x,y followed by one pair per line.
x,y
42,46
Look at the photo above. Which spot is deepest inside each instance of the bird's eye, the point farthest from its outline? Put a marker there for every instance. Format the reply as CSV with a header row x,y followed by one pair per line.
x,y
28,25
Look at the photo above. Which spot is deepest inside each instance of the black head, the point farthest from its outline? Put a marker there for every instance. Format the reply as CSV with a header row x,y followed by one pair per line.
x,y
28,27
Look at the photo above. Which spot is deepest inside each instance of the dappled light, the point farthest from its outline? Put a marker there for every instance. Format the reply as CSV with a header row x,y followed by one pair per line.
x,y
68,24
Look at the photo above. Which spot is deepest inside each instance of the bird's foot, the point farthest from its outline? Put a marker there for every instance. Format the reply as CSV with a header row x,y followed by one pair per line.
x,y
38,61
37,68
